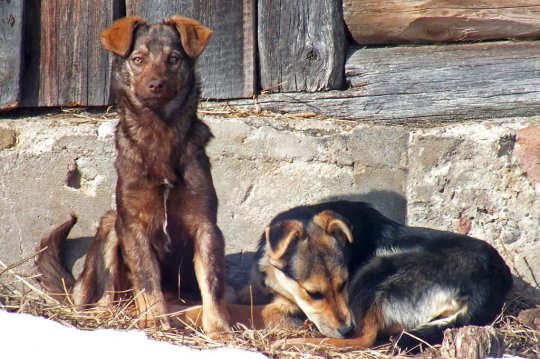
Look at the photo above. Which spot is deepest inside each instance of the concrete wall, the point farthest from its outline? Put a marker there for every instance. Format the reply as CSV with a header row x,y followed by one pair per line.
x,y
473,177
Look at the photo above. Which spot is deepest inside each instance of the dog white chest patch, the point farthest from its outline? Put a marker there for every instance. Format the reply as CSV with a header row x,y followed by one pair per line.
x,y
166,191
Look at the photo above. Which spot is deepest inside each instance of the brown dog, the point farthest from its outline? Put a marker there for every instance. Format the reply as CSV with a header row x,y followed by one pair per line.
x,y
163,237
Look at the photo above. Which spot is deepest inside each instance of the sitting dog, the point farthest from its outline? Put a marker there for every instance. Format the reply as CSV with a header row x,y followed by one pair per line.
x,y
357,276
163,237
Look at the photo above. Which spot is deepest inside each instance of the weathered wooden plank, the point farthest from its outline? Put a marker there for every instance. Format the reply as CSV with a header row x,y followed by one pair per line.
x,y
447,82
227,66
11,20
100,14
301,45
426,21
72,68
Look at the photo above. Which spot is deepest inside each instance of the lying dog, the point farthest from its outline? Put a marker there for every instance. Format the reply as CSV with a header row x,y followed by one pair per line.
x,y
358,275
163,235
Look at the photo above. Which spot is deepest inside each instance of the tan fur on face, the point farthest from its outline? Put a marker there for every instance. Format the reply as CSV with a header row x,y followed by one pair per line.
x,y
311,255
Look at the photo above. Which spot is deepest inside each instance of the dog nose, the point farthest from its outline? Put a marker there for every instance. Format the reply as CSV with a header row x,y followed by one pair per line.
x,y
155,86
346,331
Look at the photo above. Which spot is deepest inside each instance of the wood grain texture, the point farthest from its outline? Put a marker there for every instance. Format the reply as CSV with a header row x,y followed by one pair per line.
x,y
11,21
473,343
427,21
301,45
446,82
227,65
72,69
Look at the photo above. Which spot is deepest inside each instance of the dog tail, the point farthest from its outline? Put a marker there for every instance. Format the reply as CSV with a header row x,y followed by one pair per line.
x,y
55,277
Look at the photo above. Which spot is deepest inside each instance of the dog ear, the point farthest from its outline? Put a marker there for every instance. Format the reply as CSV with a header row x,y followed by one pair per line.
x,y
335,225
118,37
280,238
193,34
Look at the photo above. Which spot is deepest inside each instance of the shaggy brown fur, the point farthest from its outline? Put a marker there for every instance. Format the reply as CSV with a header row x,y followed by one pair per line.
x,y
163,238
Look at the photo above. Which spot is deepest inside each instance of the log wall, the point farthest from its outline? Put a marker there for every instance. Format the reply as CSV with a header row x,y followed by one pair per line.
x,y
431,21
449,82
11,19
50,54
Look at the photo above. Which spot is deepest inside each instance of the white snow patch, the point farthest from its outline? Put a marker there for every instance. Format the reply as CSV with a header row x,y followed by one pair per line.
x,y
26,336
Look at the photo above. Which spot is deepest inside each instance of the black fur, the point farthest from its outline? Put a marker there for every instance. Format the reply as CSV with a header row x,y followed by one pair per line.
x,y
399,267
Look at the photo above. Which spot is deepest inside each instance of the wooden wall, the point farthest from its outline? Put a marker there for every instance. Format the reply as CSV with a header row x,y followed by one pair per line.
x,y
301,45
11,16
73,69
50,54
423,83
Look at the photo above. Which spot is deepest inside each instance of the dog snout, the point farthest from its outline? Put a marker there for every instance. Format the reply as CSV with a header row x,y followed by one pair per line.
x,y
156,86
346,331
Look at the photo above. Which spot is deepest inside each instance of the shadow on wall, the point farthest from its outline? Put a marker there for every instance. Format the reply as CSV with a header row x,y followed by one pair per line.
x,y
391,204
74,251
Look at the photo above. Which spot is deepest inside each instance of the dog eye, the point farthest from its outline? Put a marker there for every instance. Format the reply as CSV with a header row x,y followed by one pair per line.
x,y
137,60
315,295
172,60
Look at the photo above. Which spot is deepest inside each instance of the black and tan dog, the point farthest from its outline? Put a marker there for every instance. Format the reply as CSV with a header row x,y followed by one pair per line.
x,y
359,276
164,228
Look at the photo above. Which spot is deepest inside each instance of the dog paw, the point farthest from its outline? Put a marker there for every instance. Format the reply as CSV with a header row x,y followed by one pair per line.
x,y
217,327
225,336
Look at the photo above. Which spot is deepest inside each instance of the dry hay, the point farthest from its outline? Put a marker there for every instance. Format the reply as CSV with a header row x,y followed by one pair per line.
x,y
19,294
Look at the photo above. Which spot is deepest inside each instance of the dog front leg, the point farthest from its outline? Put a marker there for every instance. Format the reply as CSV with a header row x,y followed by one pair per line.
x,y
282,314
365,335
144,273
209,269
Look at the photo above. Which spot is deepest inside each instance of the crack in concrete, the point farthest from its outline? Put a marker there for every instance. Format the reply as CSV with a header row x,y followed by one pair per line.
x,y
249,190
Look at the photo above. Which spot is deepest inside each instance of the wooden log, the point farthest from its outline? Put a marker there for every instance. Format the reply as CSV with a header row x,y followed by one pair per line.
x,y
11,20
227,65
427,21
301,45
530,317
72,70
443,82
473,343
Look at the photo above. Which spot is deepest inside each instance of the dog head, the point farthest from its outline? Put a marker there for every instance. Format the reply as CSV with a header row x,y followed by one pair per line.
x,y
305,261
154,64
